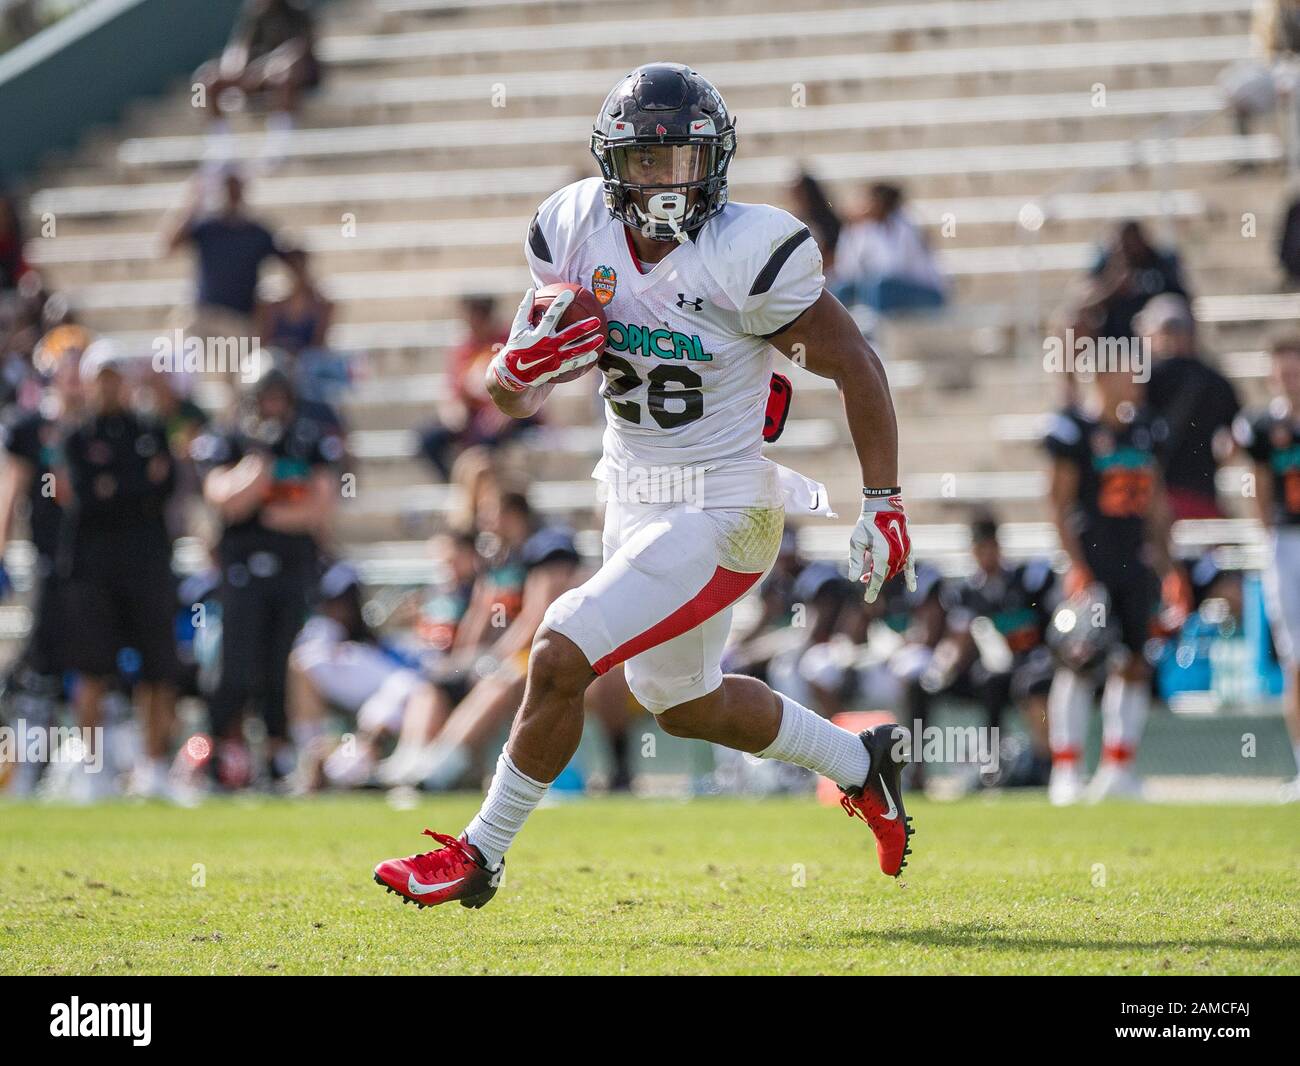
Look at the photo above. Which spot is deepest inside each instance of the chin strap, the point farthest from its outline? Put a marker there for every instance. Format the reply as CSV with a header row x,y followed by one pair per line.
x,y
679,234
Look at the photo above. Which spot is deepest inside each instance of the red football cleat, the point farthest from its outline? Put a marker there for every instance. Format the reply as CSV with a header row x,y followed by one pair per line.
x,y
455,871
879,802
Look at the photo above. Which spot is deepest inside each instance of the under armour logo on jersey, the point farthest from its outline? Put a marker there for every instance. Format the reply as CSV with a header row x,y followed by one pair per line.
x,y
696,304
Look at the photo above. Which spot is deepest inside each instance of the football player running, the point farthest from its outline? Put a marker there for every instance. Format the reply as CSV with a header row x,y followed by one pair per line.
x,y
698,292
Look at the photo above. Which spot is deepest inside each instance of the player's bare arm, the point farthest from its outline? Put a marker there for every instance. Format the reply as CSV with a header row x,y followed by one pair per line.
x,y
827,341
1160,521
1063,495
238,489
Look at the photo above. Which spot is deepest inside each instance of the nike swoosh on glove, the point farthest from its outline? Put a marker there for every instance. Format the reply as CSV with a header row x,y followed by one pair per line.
x,y
535,354
881,546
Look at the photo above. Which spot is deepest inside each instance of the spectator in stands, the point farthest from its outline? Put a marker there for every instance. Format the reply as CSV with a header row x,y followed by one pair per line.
x,y
1272,440
230,248
1252,86
883,260
1126,275
466,415
270,480
272,51
1288,244
115,555
12,264
809,204
20,21
298,324
1196,402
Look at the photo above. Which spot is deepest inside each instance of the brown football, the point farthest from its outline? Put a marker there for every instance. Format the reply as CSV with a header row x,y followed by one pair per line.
x,y
585,305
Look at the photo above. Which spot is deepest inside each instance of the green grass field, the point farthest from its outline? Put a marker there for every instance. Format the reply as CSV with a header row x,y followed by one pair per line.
x,y
997,885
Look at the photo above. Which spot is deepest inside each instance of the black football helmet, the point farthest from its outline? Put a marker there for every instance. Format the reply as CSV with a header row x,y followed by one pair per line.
x,y
664,139
1081,634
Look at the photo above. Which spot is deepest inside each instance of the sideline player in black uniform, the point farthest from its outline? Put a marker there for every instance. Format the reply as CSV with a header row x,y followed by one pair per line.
x,y
1017,600
32,439
270,481
1272,440
1111,515
115,556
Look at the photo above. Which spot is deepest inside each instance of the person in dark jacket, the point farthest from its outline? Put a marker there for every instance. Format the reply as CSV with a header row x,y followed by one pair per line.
x,y
115,556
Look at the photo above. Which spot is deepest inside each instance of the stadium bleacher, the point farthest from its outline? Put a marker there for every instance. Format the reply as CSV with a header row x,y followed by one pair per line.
x,y
442,124
979,107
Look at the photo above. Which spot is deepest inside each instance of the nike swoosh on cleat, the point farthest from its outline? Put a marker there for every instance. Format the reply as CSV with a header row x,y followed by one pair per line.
x,y
892,813
418,889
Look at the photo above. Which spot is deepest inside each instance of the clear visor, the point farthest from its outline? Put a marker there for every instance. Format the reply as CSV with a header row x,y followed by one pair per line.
x,y
662,164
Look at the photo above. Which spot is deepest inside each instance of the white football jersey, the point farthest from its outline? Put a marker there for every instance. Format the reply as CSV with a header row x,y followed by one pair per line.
x,y
687,366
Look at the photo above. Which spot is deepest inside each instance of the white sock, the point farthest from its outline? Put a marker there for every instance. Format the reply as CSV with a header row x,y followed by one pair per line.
x,y
811,741
510,800
1124,707
1068,701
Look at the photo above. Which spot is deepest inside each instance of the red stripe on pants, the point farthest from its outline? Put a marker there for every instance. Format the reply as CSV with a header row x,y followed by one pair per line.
x,y
723,589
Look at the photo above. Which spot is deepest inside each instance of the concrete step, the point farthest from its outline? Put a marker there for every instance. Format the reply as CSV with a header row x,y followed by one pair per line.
x,y
555,44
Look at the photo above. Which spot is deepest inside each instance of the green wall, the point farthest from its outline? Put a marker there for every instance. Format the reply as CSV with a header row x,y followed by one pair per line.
x,y
84,70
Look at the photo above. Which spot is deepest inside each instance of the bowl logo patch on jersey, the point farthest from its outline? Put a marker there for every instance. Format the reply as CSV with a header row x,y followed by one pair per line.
x,y
603,282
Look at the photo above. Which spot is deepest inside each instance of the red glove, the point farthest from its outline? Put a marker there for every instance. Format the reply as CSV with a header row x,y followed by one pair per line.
x,y
535,354
881,545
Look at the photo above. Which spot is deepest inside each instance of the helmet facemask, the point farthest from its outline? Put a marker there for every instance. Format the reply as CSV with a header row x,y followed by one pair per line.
x,y
665,188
